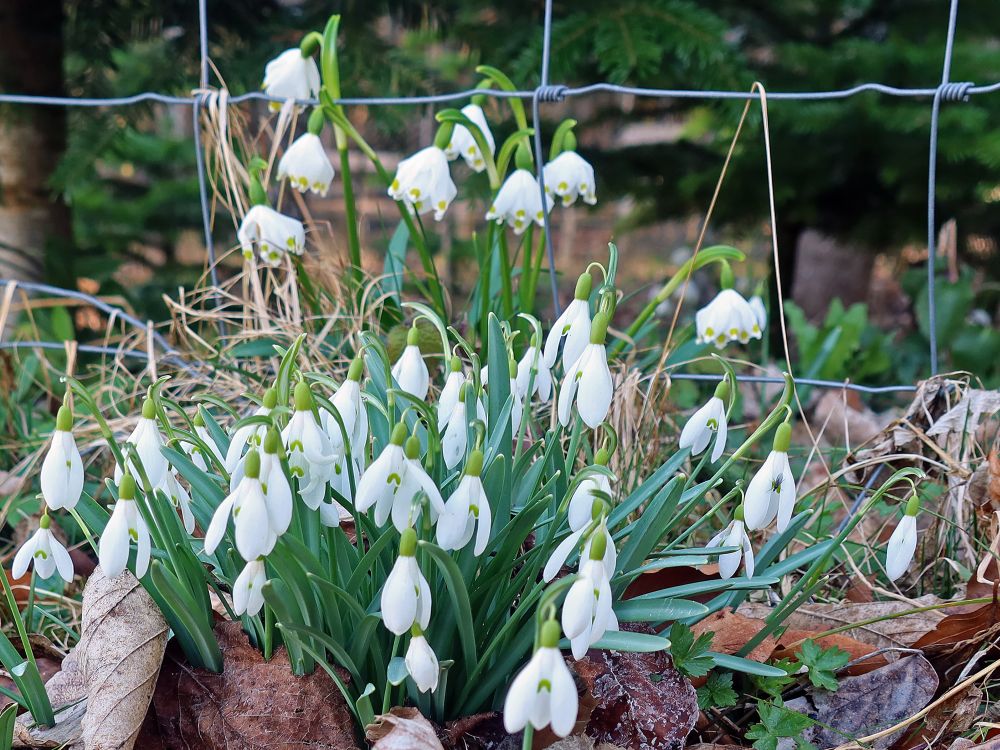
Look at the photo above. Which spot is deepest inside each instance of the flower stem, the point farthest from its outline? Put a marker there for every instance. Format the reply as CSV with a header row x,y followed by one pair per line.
x,y
529,736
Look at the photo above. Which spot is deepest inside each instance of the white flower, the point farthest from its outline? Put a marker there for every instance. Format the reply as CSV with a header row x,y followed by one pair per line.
x,y
463,144
728,317
410,370
406,597
519,202
147,441
62,470
179,498
465,509
248,595
381,482
734,535
456,435
252,434
587,609
274,234
291,76
572,543
903,543
709,420
415,480
449,397
306,165
543,377
277,489
195,451
588,381
573,324
47,554
310,455
569,176
543,693
422,663
248,508
759,311
581,505
351,409
125,526
771,492
423,182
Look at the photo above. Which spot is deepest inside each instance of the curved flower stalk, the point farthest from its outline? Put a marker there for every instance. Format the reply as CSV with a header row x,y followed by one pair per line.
x,y
423,182
573,325
291,75
252,434
273,233
569,176
585,499
708,422
194,451
421,661
45,552
406,596
125,526
734,535
310,455
247,506
543,693
248,595
771,492
62,469
903,542
729,317
534,360
410,370
147,441
519,202
463,143
467,512
588,381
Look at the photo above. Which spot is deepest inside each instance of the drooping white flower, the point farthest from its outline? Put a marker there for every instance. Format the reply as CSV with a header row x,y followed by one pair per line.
x,y
455,440
581,504
247,506
708,421
519,202
463,144
466,509
406,597
421,662
517,400
248,594
274,234
734,535
195,452
46,553
423,182
310,456
62,469
449,397
903,542
306,165
179,498
277,489
351,410
543,693
771,492
573,324
570,176
588,381
759,311
125,526
251,434
382,480
410,370
147,441
587,608
572,544
728,317
415,480
542,385
291,75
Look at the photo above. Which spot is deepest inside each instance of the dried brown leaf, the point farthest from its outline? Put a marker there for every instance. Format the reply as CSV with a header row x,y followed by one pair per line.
x,y
731,631
402,729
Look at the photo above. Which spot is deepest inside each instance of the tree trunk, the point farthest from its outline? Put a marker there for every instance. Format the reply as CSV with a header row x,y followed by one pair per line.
x,y
32,139
827,268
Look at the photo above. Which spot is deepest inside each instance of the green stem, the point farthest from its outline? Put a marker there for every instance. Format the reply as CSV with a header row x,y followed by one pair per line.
x,y
350,212
29,610
529,735
268,633
507,287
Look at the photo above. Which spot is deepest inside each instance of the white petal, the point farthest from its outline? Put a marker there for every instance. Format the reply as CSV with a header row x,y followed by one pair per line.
x,y
521,696
596,388
564,700
786,498
113,546
422,664
64,563
900,548
399,597
24,557
217,527
757,502
252,522
559,555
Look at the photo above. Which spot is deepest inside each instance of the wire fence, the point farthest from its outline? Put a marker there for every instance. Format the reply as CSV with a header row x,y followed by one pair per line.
x,y
546,92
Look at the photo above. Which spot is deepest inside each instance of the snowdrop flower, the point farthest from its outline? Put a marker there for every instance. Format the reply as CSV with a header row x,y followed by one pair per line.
x,y
455,440
62,470
463,144
351,409
587,609
310,455
728,317
248,508
581,504
449,397
179,498
572,543
277,489
423,182
306,165
147,441
421,661
415,479
248,594
734,535
410,370
543,693
274,234
570,176
517,406
251,434
467,507
291,75
195,451
771,492
709,420
573,325
46,552
381,482
588,381
125,526
543,376
903,542
406,597
519,202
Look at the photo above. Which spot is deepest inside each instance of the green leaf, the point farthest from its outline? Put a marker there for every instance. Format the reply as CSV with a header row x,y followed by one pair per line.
x,y
624,640
822,663
717,692
459,601
397,672
690,653
774,685
776,722
658,611
748,666
7,718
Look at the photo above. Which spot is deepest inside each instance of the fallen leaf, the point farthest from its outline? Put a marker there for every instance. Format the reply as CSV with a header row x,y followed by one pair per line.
x,y
252,704
402,729
866,704
950,717
789,642
731,631
958,636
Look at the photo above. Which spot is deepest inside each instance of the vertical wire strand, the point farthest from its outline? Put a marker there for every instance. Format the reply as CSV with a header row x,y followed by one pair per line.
x,y
203,41
540,157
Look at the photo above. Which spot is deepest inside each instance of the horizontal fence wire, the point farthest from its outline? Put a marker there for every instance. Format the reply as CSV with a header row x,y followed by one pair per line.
x,y
946,91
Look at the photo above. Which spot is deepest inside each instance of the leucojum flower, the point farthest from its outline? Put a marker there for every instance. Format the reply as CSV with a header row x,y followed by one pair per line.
x,y
519,202
570,176
573,325
463,143
125,526
291,75
734,535
406,596
62,469
708,422
306,164
729,317
588,381
467,511
543,693
423,182
771,492
273,233
45,552
903,542
410,370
